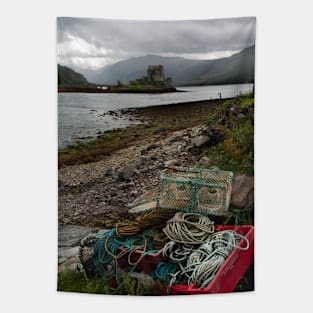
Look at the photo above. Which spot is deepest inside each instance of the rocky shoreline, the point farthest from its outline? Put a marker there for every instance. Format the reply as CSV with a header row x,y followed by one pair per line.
x,y
97,193
154,121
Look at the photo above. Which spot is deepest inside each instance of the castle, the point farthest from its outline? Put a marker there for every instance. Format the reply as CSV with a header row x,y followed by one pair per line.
x,y
155,76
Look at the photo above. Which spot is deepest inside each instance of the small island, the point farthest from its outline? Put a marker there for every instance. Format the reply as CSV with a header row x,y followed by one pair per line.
x,y
154,82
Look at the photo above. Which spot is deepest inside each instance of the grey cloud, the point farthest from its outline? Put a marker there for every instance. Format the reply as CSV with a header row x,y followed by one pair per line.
x,y
126,38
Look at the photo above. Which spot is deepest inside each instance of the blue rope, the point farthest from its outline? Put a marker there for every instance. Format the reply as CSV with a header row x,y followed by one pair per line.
x,y
101,258
165,271
105,262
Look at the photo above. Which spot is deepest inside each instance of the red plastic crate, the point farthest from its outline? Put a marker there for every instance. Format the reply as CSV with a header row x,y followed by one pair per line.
x,y
228,276
147,264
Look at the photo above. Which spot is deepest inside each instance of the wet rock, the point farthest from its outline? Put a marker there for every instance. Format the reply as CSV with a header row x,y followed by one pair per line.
x,y
242,191
205,161
200,141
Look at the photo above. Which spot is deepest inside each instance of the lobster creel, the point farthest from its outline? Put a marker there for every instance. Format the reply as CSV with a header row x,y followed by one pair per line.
x,y
206,191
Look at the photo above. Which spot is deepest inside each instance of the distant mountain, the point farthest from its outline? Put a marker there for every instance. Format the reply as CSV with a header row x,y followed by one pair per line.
x,y
69,78
239,68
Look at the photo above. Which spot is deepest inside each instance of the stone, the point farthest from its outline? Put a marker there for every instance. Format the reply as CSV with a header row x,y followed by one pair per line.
x,y
126,173
170,163
65,253
152,146
174,138
69,265
242,191
122,186
200,141
109,171
144,279
180,148
70,235
205,161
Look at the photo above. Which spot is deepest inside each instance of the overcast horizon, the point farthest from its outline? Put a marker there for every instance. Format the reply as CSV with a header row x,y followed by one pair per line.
x,y
89,43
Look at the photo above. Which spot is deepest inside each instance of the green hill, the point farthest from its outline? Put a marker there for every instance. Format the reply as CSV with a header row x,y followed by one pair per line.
x,y
69,78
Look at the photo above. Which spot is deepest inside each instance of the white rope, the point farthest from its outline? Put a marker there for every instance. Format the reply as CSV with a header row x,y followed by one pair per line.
x,y
199,264
177,252
189,228
204,262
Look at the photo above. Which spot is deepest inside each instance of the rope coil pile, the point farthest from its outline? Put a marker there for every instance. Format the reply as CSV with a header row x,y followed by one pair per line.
x,y
197,252
193,251
106,253
204,262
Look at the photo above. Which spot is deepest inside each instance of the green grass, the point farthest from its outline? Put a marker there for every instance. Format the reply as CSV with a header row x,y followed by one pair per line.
x,y
236,151
76,282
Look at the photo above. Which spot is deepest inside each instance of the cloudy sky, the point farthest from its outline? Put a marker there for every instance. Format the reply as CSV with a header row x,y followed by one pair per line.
x,y
94,43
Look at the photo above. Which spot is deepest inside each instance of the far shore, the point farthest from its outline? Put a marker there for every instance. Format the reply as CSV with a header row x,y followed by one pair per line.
x,y
118,90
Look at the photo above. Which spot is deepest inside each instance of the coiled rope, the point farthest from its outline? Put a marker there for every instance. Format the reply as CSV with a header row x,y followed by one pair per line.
x,y
155,218
166,272
204,262
105,254
177,252
197,252
189,228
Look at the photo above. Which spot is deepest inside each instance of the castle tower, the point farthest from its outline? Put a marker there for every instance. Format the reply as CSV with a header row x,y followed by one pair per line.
x,y
156,73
